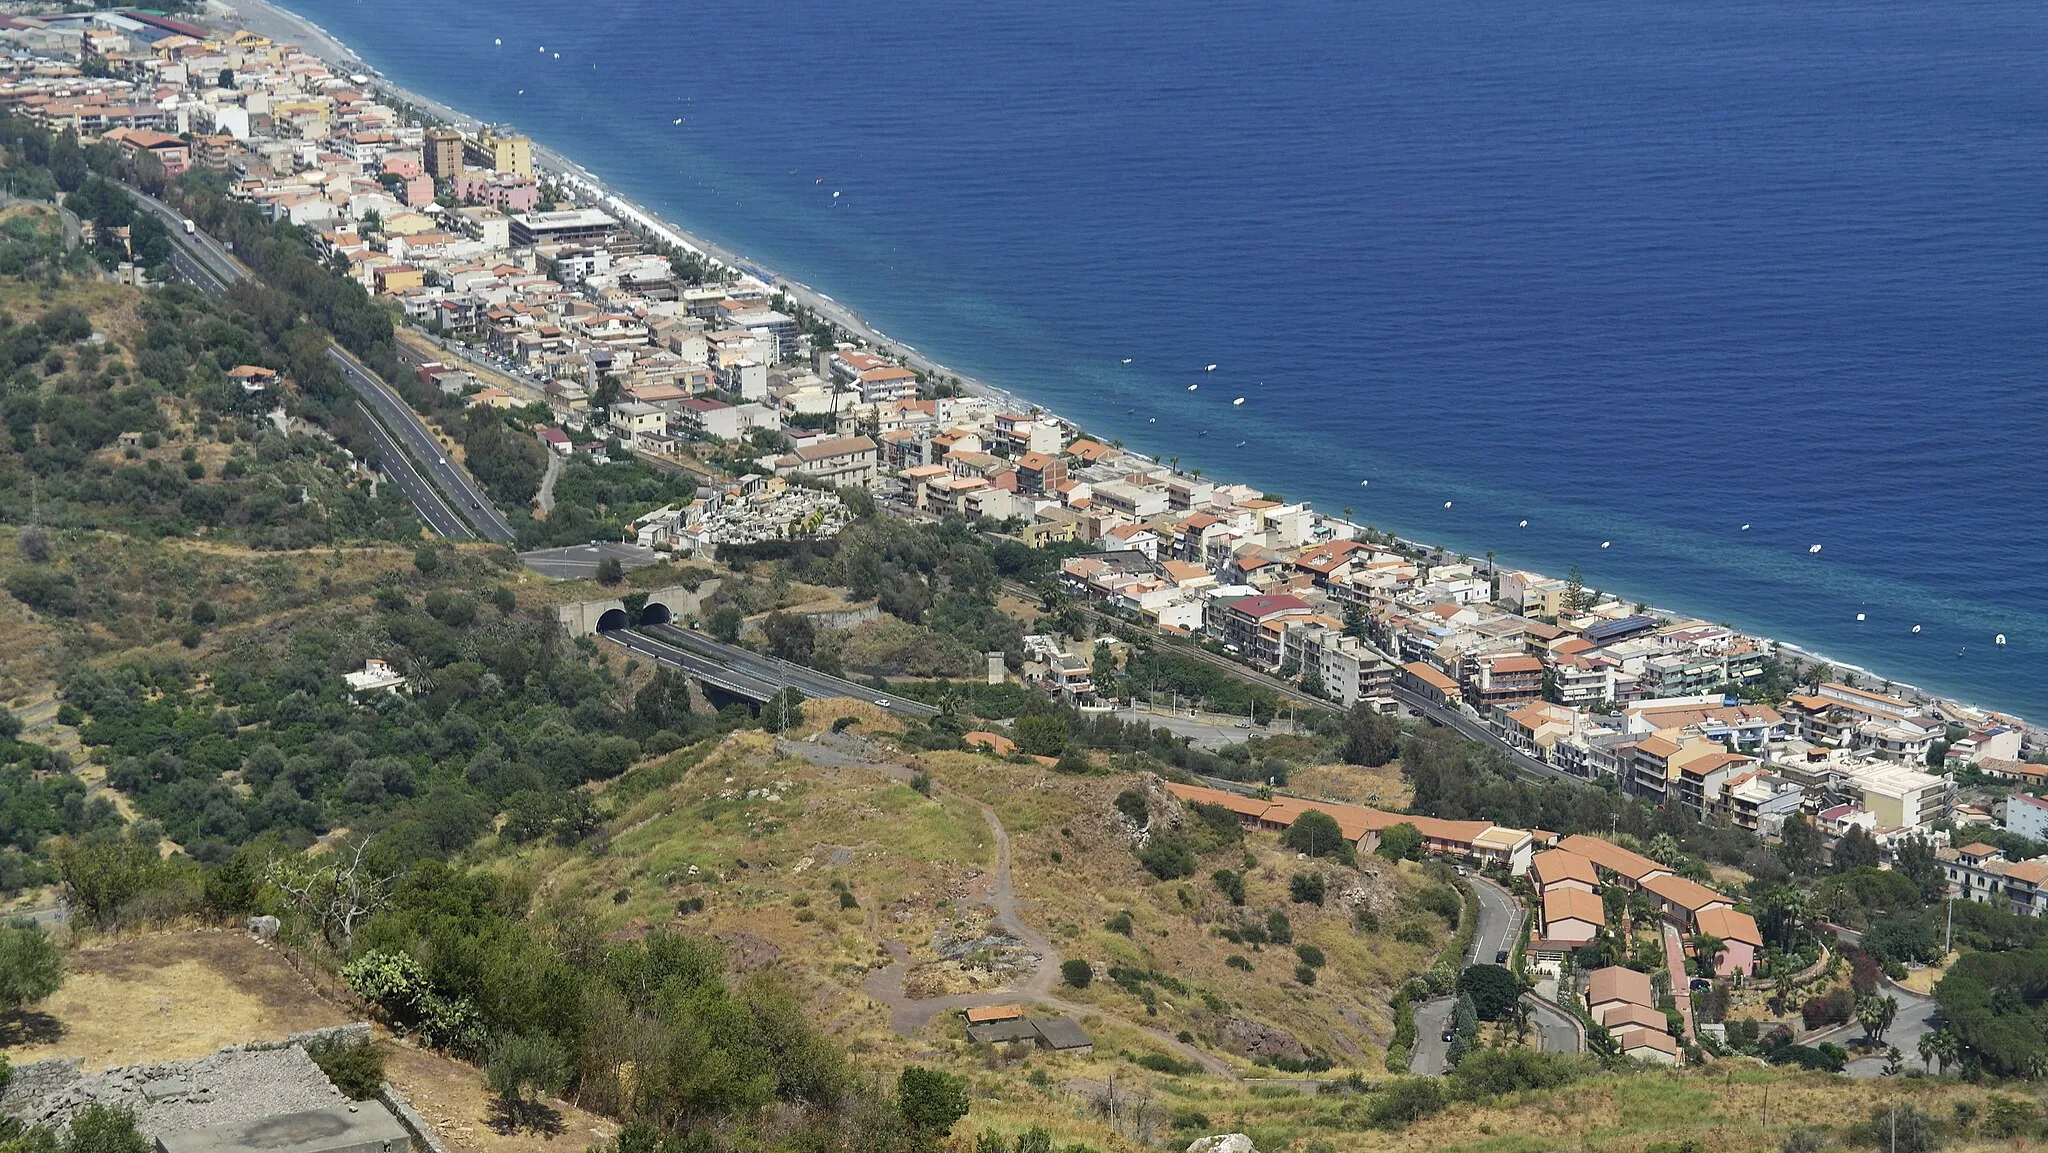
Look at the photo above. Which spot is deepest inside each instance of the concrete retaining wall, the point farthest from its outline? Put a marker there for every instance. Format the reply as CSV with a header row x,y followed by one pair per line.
x,y
424,1139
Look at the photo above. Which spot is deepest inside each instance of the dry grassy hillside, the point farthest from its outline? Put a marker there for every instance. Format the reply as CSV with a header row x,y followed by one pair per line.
x,y
834,868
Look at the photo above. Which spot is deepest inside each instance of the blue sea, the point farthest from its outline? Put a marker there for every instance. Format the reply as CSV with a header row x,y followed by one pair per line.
x,y
1639,273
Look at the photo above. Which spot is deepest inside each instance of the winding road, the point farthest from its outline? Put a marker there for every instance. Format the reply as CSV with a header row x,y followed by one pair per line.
x,y
909,1014
1500,920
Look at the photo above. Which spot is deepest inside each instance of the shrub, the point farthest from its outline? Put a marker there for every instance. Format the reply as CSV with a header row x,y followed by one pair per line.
x,y
1832,1008
1162,1063
921,782
1230,884
1119,923
31,964
1279,928
1303,975
1077,973
524,1065
1414,933
1310,955
1306,888
355,1067
1405,1102
1131,803
1167,856
1237,961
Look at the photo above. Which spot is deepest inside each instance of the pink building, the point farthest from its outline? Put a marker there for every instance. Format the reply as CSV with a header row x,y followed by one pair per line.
x,y
1740,940
407,164
502,191
418,190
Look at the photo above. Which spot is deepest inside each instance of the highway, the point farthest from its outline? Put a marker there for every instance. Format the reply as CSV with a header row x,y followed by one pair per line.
x,y
422,445
749,674
809,681
439,488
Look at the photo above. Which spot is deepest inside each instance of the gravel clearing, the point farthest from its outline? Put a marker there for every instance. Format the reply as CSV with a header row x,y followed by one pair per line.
x,y
230,1085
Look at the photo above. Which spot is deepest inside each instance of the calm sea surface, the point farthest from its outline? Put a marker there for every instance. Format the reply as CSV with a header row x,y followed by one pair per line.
x,y
1639,273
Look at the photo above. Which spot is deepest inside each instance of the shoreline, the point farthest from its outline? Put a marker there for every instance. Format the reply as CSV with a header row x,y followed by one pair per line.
x,y
277,22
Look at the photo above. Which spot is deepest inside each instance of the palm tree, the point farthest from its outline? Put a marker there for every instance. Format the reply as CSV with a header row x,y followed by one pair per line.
x,y
1707,948
1940,1049
1876,1014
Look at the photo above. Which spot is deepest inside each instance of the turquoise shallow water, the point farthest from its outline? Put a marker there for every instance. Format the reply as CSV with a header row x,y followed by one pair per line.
x,y
1634,273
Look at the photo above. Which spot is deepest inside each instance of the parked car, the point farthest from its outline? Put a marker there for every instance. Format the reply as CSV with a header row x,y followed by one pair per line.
x,y
1500,956
1450,1035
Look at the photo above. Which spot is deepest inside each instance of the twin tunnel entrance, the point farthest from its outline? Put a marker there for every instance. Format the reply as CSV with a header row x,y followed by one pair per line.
x,y
652,613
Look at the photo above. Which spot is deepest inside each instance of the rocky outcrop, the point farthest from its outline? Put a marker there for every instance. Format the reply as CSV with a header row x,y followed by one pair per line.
x,y
1249,1038
1223,1143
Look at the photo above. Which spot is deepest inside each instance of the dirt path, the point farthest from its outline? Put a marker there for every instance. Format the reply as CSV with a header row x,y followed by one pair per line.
x,y
909,1014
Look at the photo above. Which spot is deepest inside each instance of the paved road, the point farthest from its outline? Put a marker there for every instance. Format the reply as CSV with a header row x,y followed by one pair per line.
x,y
462,491
809,681
48,916
1556,1032
576,561
456,501
1500,918
749,674
1203,734
1918,1016
1432,1055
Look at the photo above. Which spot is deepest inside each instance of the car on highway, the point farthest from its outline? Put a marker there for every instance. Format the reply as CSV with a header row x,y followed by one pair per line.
x,y
882,702
1500,956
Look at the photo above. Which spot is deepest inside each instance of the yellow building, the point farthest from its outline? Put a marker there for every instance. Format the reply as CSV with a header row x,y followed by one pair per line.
x,y
500,153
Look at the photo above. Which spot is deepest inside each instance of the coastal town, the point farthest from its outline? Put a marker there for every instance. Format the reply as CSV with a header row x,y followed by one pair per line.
x,y
629,344
612,343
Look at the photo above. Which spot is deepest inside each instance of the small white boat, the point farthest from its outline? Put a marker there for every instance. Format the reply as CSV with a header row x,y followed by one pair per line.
x,y
1606,544
1916,628
1814,551
1127,360
678,120
1242,443
1208,368
543,50
835,196
1238,401
1859,616
500,40
1363,483
1447,504
1999,640
1745,528
1525,524
1193,387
